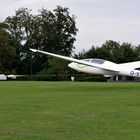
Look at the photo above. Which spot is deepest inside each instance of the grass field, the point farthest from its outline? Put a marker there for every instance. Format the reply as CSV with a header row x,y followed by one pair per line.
x,y
69,111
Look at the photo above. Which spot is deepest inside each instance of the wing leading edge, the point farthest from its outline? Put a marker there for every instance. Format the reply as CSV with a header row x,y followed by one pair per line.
x,y
107,67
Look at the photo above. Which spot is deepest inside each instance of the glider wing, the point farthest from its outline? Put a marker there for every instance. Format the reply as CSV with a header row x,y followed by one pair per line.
x,y
105,67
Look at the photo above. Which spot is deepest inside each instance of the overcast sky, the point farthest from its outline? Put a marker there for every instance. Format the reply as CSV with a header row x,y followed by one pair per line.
x,y
97,20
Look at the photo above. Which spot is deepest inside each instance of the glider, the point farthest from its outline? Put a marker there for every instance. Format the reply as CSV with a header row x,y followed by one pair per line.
x,y
98,66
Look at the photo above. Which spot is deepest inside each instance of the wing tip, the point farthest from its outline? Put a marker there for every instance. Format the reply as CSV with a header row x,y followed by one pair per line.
x,y
33,50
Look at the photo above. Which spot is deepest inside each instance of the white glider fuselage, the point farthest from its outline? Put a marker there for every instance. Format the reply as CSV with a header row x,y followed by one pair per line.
x,y
127,71
90,69
99,66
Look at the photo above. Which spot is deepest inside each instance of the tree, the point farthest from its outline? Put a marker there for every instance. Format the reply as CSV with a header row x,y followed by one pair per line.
x,y
112,51
129,53
20,29
7,52
138,52
49,31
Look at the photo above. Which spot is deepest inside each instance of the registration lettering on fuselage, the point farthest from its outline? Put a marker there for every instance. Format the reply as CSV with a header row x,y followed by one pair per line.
x,y
133,73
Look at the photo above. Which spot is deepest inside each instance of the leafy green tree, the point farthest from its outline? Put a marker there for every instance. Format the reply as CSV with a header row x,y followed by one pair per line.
x,y
138,52
112,51
49,31
106,51
59,68
129,53
7,51
20,28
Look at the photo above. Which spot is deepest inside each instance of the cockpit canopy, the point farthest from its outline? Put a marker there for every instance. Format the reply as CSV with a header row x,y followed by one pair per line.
x,y
95,61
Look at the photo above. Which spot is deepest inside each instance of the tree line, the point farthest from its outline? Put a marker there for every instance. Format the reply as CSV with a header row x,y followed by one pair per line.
x,y
54,31
112,51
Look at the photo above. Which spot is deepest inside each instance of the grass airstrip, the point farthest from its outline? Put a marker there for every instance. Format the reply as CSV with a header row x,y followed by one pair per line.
x,y
69,111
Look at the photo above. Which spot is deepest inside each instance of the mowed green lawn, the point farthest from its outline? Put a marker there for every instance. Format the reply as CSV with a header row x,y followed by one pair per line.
x,y
69,111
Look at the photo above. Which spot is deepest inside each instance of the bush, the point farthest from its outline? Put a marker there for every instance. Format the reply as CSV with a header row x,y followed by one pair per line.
x,y
91,78
61,78
38,78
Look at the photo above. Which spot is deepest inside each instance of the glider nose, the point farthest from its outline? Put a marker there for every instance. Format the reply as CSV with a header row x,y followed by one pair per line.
x,y
71,65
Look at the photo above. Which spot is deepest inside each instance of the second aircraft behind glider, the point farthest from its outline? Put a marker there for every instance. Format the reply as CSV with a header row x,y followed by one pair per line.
x,y
99,66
